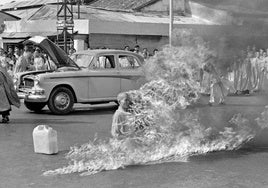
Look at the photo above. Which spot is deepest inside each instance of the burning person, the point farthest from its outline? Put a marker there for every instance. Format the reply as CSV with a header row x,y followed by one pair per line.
x,y
120,128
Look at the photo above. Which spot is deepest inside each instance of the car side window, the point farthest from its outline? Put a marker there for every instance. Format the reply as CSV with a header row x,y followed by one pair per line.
x,y
128,62
104,62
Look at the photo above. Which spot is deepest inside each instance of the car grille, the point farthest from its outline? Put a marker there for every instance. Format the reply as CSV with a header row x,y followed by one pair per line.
x,y
27,83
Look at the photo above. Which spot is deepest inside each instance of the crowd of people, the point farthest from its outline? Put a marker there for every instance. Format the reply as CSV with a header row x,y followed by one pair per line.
x,y
248,72
21,60
144,53
12,62
245,75
29,58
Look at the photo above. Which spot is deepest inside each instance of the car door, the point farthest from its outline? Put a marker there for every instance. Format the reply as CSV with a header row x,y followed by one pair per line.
x,y
130,70
104,80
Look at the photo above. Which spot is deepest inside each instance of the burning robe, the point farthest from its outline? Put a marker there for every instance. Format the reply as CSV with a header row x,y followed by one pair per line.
x,y
119,126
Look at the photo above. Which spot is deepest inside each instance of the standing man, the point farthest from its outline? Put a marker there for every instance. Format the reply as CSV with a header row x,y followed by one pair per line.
x,y
127,48
137,49
72,50
17,54
8,95
39,62
145,53
217,89
24,62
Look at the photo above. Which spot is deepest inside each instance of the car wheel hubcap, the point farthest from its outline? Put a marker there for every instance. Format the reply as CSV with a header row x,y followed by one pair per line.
x,y
62,101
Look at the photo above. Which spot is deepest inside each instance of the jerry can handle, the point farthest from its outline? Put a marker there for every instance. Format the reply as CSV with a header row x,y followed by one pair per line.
x,y
42,127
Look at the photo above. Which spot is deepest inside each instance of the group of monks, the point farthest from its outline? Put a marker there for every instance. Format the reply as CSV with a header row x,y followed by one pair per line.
x,y
249,72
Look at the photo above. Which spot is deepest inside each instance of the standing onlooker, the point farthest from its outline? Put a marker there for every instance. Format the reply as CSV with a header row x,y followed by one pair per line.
x,y
261,70
145,53
127,48
24,62
248,81
72,50
256,70
155,52
39,62
137,49
10,53
5,61
236,71
8,95
17,54
217,89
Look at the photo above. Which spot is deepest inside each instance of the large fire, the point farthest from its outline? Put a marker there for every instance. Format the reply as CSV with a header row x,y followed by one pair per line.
x,y
165,131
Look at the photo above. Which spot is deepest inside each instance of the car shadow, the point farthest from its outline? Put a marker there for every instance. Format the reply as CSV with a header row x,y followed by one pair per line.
x,y
83,110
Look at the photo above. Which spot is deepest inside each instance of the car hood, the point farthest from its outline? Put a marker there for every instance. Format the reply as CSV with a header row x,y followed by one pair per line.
x,y
60,58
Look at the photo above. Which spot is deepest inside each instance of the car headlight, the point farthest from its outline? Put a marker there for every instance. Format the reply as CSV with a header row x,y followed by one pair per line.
x,y
15,82
37,90
36,80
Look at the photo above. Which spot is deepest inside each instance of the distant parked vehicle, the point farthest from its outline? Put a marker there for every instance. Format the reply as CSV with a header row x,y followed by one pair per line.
x,y
88,77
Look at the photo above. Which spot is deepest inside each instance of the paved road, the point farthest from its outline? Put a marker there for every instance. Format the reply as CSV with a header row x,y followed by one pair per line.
x,y
21,167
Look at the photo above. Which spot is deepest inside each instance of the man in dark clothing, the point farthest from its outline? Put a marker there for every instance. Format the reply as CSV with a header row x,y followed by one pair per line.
x,y
8,95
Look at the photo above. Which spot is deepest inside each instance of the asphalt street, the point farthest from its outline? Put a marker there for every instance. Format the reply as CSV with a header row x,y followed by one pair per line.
x,y
21,167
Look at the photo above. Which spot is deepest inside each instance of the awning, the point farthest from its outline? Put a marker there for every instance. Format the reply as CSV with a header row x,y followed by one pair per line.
x,y
4,40
15,35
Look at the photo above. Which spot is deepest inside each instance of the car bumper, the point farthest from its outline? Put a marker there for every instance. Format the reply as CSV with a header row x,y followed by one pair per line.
x,y
31,97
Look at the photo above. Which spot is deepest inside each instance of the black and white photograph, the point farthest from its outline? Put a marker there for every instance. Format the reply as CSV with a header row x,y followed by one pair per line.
x,y
134,94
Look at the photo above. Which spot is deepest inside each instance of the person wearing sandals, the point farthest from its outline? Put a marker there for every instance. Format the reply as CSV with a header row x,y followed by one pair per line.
x,y
8,95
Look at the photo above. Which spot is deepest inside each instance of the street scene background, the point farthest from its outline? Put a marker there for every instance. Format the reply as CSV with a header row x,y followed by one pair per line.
x,y
236,31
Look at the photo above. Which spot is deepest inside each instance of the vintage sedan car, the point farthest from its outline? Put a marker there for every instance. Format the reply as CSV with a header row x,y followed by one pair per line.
x,y
88,77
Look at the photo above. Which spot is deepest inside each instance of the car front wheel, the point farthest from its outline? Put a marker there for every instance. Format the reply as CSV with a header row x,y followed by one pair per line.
x,y
61,101
35,106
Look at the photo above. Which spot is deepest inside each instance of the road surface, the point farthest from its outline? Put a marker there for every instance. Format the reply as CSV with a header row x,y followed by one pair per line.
x,y
21,167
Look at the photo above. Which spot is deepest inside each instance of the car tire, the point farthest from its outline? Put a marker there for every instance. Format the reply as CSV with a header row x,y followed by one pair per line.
x,y
35,106
61,101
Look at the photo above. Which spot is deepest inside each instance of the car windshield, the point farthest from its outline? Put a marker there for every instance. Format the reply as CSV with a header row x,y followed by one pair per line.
x,y
82,60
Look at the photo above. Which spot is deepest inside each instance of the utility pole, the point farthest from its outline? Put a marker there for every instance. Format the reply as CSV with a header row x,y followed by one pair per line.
x,y
170,21
65,25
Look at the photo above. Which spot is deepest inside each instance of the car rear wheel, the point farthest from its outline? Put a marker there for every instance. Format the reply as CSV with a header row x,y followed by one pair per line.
x,y
61,101
35,106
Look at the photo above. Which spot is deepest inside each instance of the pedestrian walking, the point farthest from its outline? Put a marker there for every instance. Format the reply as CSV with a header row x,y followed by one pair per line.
x,y
8,95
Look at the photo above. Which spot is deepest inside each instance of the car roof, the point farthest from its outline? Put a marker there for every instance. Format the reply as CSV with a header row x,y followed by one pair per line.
x,y
105,51
110,51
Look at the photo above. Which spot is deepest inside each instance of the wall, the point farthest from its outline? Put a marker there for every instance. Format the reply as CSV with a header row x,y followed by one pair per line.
x,y
120,41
